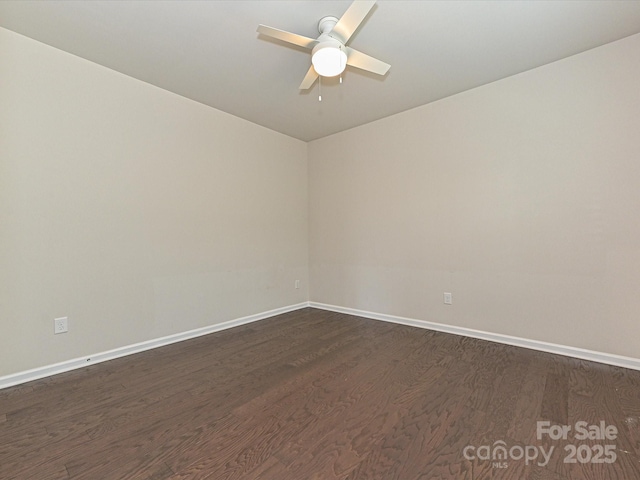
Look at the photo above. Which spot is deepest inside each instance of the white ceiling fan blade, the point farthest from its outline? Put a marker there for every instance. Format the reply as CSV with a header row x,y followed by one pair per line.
x,y
352,18
288,37
309,78
365,62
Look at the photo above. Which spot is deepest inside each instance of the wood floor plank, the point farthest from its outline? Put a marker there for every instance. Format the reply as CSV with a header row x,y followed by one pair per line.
x,y
527,410
555,399
54,471
45,460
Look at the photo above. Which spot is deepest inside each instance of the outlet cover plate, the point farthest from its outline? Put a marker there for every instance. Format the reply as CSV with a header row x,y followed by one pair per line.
x,y
448,298
60,325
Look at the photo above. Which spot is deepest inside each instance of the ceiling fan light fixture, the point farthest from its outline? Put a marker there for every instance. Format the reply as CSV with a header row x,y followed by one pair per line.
x,y
329,60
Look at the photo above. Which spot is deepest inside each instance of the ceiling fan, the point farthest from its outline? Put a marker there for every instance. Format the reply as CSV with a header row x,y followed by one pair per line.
x,y
329,52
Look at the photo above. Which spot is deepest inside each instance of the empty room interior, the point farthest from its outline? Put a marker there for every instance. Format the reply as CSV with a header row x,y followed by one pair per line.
x,y
420,263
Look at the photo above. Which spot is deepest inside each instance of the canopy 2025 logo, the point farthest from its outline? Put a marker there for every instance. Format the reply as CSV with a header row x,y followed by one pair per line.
x,y
500,453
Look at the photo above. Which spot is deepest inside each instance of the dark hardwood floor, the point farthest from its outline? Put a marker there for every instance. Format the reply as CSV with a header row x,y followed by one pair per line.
x,y
319,395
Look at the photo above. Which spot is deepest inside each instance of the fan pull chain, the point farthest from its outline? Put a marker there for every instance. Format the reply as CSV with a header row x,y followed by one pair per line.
x,y
320,88
341,66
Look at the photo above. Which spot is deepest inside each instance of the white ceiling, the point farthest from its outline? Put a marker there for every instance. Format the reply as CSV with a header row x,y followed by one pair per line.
x,y
209,51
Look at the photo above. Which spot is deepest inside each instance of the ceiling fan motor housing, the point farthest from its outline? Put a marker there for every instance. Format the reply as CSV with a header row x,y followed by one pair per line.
x,y
326,24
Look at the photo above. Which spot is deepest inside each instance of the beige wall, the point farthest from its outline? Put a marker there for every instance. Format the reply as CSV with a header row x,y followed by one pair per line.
x,y
521,197
134,211
140,214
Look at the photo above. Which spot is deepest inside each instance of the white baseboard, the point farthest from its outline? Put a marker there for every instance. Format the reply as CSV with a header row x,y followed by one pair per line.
x,y
48,370
607,358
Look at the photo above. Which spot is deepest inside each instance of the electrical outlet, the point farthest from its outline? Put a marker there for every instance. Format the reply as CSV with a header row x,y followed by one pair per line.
x,y
297,284
448,298
60,325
